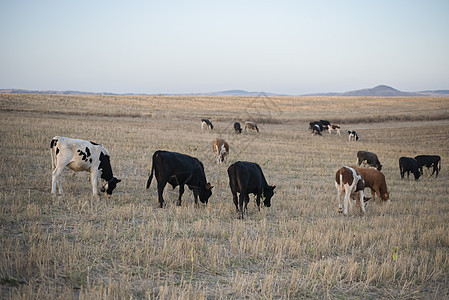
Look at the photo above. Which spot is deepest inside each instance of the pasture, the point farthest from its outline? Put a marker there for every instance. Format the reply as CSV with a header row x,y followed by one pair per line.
x,y
124,246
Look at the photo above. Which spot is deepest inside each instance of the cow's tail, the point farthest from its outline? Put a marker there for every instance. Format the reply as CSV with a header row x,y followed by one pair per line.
x,y
151,174
439,165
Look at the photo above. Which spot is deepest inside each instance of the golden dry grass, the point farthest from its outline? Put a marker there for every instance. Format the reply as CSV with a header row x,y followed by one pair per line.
x,y
126,247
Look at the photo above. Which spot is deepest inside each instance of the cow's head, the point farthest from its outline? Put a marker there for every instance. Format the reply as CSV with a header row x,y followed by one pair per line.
x,y
379,167
268,193
110,185
206,193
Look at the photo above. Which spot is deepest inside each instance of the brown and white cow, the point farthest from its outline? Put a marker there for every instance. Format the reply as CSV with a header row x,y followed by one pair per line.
x,y
221,150
350,183
375,180
332,127
251,125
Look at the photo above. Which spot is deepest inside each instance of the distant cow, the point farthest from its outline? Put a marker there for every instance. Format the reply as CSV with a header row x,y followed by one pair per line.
x,y
221,150
375,180
316,130
81,155
353,136
245,178
368,158
429,161
206,123
237,128
251,126
336,128
318,123
349,182
179,169
409,164
325,124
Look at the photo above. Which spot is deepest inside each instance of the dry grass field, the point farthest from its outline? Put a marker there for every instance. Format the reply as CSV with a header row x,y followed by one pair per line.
x,y
125,247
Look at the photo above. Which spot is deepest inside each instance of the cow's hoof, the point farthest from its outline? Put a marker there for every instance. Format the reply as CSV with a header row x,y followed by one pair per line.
x,y
178,203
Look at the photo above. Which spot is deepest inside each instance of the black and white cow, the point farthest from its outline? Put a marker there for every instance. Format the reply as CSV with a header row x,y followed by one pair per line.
x,y
350,183
353,136
429,161
237,127
334,127
368,158
206,123
316,129
409,164
179,169
247,178
81,155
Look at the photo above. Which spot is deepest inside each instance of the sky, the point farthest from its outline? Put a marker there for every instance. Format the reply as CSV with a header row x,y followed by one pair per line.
x,y
172,46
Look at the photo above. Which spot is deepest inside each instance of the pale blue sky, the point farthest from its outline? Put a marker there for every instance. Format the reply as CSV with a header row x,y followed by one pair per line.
x,y
291,47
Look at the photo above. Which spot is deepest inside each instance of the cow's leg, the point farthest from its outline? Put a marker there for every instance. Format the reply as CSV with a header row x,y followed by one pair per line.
x,y
160,191
235,199
258,201
347,199
362,203
181,192
56,178
195,196
94,182
241,202
435,168
339,193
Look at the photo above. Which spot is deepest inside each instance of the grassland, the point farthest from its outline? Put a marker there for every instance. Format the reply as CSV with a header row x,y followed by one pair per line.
x,y
126,247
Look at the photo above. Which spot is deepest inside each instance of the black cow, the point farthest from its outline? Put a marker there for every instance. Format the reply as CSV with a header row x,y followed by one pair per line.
x,y
179,169
245,178
325,124
368,158
429,161
409,164
237,127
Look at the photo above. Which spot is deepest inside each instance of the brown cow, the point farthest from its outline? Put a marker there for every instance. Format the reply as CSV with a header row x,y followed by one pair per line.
x,y
375,180
251,125
221,150
351,183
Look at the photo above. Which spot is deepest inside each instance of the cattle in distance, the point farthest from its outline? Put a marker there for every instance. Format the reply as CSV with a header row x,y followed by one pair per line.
x,y
206,123
251,126
409,164
350,183
352,135
81,155
247,178
179,170
237,128
429,161
368,158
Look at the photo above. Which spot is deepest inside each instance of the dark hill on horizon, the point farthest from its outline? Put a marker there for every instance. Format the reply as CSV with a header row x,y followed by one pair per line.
x,y
378,91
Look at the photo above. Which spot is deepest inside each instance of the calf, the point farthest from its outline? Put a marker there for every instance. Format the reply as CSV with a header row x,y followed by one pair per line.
x,y
179,169
409,164
429,161
375,180
237,128
251,125
336,128
349,182
206,123
81,155
245,178
353,136
368,158
221,150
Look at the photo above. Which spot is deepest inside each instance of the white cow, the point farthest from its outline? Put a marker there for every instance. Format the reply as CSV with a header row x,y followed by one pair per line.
x,y
349,182
81,155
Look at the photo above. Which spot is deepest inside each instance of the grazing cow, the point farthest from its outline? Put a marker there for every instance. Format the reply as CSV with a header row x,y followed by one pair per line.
x,y
353,135
409,164
245,178
207,123
179,169
336,128
81,155
429,161
368,158
221,150
375,180
316,130
325,124
251,125
318,123
351,183
237,128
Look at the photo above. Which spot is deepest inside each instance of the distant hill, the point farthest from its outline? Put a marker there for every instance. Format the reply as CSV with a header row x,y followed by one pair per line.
x,y
378,91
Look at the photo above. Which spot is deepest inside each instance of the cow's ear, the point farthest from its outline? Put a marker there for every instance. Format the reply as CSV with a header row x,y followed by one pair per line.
x,y
208,186
117,180
274,187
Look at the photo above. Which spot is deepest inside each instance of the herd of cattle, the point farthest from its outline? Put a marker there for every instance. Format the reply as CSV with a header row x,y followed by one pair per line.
x,y
244,177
